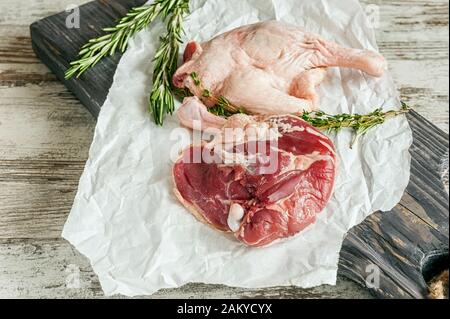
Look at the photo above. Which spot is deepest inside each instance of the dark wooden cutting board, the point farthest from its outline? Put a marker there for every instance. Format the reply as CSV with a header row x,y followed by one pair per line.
x,y
408,245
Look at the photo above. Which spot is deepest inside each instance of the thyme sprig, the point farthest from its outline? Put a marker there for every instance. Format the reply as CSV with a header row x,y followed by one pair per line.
x,y
360,124
223,106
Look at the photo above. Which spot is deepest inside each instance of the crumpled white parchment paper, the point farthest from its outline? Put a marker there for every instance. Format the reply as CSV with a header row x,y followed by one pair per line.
x,y
139,239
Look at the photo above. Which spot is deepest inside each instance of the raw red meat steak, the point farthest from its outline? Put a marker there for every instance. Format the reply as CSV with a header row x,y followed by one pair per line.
x,y
257,204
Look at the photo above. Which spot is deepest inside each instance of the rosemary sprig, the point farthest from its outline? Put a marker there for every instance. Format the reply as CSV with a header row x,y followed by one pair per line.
x,y
117,37
165,62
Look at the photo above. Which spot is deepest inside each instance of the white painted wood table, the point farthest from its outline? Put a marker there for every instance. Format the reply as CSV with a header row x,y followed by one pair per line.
x,y
45,134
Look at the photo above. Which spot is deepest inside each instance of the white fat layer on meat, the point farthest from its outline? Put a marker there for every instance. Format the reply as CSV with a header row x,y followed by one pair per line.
x,y
304,162
262,132
265,132
235,217
237,158
234,158
286,127
232,137
254,131
314,132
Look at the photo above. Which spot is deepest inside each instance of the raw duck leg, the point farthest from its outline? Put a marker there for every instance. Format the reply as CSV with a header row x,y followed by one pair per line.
x,y
269,67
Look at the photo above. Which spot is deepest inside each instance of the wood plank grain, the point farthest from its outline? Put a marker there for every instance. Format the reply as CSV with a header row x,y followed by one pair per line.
x,y
25,12
63,45
37,203
400,242
47,190
18,63
43,136
43,122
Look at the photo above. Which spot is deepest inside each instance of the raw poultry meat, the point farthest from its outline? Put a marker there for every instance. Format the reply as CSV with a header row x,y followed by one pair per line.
x,y
268,68
259,189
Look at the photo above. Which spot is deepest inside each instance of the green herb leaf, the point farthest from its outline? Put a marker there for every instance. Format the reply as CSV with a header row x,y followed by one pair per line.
x,y
117,37
360,124
165,62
